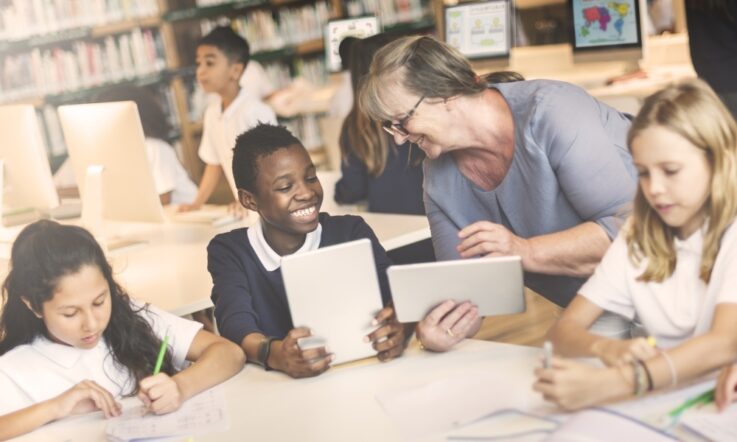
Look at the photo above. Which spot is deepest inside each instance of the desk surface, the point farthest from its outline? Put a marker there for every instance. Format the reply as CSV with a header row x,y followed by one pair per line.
x,y
341,404
168,268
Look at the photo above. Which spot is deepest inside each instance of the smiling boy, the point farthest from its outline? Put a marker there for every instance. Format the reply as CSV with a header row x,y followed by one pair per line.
x,y
276,178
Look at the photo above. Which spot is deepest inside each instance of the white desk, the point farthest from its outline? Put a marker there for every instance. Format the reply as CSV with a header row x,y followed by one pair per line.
x,y
341,404
169,269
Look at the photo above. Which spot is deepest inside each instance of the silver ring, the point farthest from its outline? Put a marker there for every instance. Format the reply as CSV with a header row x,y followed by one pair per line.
x,y
450,332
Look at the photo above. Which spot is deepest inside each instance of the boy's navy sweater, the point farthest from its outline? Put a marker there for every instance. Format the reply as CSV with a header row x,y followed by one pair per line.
x,y
248,298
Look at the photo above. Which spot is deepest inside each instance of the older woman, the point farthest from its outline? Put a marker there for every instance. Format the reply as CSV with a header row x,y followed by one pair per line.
x,y
538,169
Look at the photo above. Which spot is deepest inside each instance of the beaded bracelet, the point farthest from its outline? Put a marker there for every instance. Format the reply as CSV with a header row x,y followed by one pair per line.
x,y
650,385
640,378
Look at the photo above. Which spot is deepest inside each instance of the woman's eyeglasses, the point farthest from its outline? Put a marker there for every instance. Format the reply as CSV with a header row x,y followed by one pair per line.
x,y
398,128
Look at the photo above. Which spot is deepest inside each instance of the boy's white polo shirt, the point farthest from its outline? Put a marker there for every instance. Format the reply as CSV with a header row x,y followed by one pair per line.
x,y
43,369
680,307
221,128
169,174
268,257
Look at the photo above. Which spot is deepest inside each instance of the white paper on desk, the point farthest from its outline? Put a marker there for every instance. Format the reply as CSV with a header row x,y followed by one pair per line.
x,y
708,422
506,425
451,402
204,413
599,425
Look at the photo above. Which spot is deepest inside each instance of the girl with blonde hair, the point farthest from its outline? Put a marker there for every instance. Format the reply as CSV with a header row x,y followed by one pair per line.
x,y
673,266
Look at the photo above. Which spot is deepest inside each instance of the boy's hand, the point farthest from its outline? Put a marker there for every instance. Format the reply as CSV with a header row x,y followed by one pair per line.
x,y
388,340
85,397
622,352
286,356
160,394
188,207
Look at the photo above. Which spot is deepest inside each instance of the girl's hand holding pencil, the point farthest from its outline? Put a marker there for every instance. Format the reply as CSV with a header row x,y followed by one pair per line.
x,y
159,392
726,385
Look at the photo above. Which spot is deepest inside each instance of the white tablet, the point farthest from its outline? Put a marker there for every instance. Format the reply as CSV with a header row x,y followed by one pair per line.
x,y
334,291
495,285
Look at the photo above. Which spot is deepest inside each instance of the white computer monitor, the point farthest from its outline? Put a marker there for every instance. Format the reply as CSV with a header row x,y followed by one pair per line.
x,y
111,135
479,30
337,30
27,176
605,30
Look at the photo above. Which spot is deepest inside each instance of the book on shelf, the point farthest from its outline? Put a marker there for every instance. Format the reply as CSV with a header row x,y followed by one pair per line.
x,y
267,31
390,12
21,19
82,64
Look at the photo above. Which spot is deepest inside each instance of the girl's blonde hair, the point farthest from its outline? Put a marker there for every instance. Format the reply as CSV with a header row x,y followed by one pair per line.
x,y
693,111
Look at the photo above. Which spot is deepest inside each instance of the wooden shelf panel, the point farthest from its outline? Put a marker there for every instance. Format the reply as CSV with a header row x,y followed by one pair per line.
x,y
124,26
207,11
86,92
73,34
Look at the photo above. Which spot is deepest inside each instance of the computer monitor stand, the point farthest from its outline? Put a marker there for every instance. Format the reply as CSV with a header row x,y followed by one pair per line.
x,y
93,202
13,216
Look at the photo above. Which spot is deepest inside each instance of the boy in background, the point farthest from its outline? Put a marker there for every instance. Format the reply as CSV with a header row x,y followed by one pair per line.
x,y
276,178
222,57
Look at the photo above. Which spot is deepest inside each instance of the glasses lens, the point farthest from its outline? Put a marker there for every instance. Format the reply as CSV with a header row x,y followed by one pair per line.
x,y
394,128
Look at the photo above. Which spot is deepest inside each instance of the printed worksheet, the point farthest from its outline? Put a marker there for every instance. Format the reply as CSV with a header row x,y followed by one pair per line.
x,y
204,413
719,427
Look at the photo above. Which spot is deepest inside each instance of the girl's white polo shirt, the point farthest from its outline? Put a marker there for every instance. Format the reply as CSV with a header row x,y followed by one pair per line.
x,y
680,307
44,369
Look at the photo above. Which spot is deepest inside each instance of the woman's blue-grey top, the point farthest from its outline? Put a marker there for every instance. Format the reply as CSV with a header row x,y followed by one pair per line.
x,y
397,190
571,164
249,299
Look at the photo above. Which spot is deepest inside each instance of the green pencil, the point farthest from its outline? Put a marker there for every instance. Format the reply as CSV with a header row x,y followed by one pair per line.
x,y
162,352
703,398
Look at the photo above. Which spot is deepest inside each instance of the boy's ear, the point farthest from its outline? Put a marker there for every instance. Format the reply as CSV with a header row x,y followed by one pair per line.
x,y
236,70
28,304
247,200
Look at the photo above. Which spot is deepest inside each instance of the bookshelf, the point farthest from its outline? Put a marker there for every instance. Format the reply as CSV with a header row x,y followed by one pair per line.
x,y
55,52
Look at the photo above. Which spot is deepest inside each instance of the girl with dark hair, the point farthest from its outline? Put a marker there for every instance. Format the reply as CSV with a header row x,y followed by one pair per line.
x,y
87,342
374,168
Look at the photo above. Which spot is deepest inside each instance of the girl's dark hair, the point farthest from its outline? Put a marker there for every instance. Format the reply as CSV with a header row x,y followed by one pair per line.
x,y
361,135
153,119
47,251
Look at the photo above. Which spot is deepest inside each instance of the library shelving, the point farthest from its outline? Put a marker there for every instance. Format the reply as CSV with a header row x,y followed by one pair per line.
x,y
55,52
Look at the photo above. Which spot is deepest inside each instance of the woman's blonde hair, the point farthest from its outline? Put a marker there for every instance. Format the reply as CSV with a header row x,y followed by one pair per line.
x,y
431,69
693,111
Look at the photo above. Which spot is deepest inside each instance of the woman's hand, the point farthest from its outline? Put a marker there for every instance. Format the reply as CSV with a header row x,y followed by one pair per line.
x,y
288,357
572,385
388,340
726,385
446,325
484,238
622,352
160,394
85,397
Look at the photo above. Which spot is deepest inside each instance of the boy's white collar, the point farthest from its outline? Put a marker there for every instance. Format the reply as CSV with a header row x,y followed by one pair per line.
x,y
268,257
